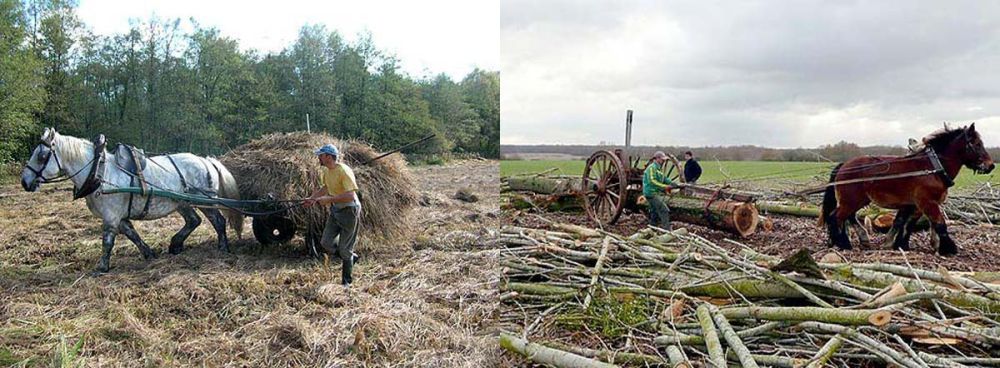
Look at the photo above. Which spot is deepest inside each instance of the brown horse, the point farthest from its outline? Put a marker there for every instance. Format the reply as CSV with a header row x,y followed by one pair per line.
x,y
915,185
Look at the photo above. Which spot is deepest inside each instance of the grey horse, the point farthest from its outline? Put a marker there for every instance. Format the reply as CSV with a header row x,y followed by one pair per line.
x,y
70,158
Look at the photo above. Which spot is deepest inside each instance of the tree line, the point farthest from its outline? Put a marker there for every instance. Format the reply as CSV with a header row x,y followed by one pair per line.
x,y
169,91
838,152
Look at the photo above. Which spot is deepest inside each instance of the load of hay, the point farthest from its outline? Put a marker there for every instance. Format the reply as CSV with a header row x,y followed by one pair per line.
x,y
283,166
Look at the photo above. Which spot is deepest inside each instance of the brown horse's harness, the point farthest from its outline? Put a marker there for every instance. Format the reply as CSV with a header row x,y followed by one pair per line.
x,y
936,169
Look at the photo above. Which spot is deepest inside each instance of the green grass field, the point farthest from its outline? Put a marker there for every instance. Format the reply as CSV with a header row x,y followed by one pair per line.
x,y
722,171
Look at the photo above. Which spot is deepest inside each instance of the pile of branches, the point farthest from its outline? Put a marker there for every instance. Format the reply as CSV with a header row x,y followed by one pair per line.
x,y
574,296
981,205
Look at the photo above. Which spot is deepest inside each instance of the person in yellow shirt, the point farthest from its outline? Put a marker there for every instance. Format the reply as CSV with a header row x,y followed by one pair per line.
x,y
338,189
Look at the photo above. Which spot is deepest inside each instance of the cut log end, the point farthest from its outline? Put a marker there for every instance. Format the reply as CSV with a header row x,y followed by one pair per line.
x,y
880,318
883,222
746,219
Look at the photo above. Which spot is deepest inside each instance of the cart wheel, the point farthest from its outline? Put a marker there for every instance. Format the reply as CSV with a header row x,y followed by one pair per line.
x,y
273,230
313,242
604,187
673,167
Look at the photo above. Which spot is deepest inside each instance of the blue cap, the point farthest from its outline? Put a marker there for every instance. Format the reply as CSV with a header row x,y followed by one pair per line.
x,y
328,149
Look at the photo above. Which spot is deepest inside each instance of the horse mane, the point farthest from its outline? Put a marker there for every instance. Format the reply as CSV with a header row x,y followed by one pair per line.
x,y
73,149
940,139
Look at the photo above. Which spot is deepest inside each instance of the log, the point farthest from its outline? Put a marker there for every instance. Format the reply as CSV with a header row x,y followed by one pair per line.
x,y
716,357
677,359
874,317
734,341
740,218
613,357
750,288
577,230
883,222
860,276
826,352
545,184
801,209
545,355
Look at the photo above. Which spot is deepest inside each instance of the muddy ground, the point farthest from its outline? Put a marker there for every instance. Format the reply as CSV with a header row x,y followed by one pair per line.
x,y
429,302
979,245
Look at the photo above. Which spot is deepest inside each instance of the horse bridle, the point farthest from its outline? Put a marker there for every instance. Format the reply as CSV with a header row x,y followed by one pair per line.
x,y
48,157
969,149
61,174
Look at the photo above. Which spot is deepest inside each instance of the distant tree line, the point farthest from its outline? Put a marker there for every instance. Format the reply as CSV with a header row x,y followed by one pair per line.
x,y
838,152
168,91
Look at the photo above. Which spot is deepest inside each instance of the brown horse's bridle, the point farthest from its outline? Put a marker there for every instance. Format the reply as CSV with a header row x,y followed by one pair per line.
x,y
971,150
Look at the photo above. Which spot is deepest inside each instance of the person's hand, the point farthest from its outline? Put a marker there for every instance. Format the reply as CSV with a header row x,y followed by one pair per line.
x,y
309,202
668,189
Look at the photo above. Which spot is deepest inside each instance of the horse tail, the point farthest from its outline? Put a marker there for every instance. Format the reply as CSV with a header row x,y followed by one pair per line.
x,y
829,196
229,189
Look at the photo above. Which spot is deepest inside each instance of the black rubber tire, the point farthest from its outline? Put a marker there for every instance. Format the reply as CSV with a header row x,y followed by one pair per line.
x,y
273,230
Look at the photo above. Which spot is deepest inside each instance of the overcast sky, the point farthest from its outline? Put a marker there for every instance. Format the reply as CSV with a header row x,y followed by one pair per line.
x,y
772,73
430,36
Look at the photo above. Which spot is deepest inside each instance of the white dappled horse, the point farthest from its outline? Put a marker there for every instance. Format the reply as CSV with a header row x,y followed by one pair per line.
x,y
62,157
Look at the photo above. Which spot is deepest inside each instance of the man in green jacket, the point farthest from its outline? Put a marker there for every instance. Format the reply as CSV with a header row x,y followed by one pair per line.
x,y
655,186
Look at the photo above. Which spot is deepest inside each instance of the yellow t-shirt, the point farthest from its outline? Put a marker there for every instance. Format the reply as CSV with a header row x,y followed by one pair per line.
x,y
338,180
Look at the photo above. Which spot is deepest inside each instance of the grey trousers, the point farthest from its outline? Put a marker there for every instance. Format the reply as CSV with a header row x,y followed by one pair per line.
x,y
659,213
339,236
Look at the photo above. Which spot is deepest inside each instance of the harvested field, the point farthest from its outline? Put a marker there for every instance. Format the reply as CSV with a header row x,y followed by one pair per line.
x,y
428,300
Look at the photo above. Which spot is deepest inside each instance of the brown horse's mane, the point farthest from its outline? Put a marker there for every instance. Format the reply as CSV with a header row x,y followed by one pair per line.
x,y
941,138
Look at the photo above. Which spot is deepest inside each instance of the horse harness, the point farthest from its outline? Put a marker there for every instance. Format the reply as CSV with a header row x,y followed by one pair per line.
x,y
936,169
133,161
130,160
94,176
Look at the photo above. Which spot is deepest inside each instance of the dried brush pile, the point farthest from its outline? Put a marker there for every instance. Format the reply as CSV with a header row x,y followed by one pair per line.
x,y
284,166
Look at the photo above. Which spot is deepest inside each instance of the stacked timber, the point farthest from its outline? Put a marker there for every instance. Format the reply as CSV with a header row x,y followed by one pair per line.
x,y
563,193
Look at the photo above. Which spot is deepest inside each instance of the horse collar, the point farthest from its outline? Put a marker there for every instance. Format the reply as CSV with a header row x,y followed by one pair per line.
x,y
939,168
96,175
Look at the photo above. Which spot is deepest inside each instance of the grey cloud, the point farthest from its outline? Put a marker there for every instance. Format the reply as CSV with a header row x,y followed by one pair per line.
x,y
749,72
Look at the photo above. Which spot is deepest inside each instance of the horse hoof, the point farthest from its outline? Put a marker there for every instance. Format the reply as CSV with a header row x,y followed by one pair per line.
x,y
149,256
176,250
100,270
948,250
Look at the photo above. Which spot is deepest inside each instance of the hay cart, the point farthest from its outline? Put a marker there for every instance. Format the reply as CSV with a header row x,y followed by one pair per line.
x,y
273,225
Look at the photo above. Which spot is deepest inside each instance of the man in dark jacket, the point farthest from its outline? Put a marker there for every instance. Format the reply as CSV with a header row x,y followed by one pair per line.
x,y
692,170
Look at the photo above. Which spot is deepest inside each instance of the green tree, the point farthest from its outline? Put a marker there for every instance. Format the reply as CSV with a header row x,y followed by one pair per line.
x,y
22,92
482,92
54,45
453,115
398,114
314,90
